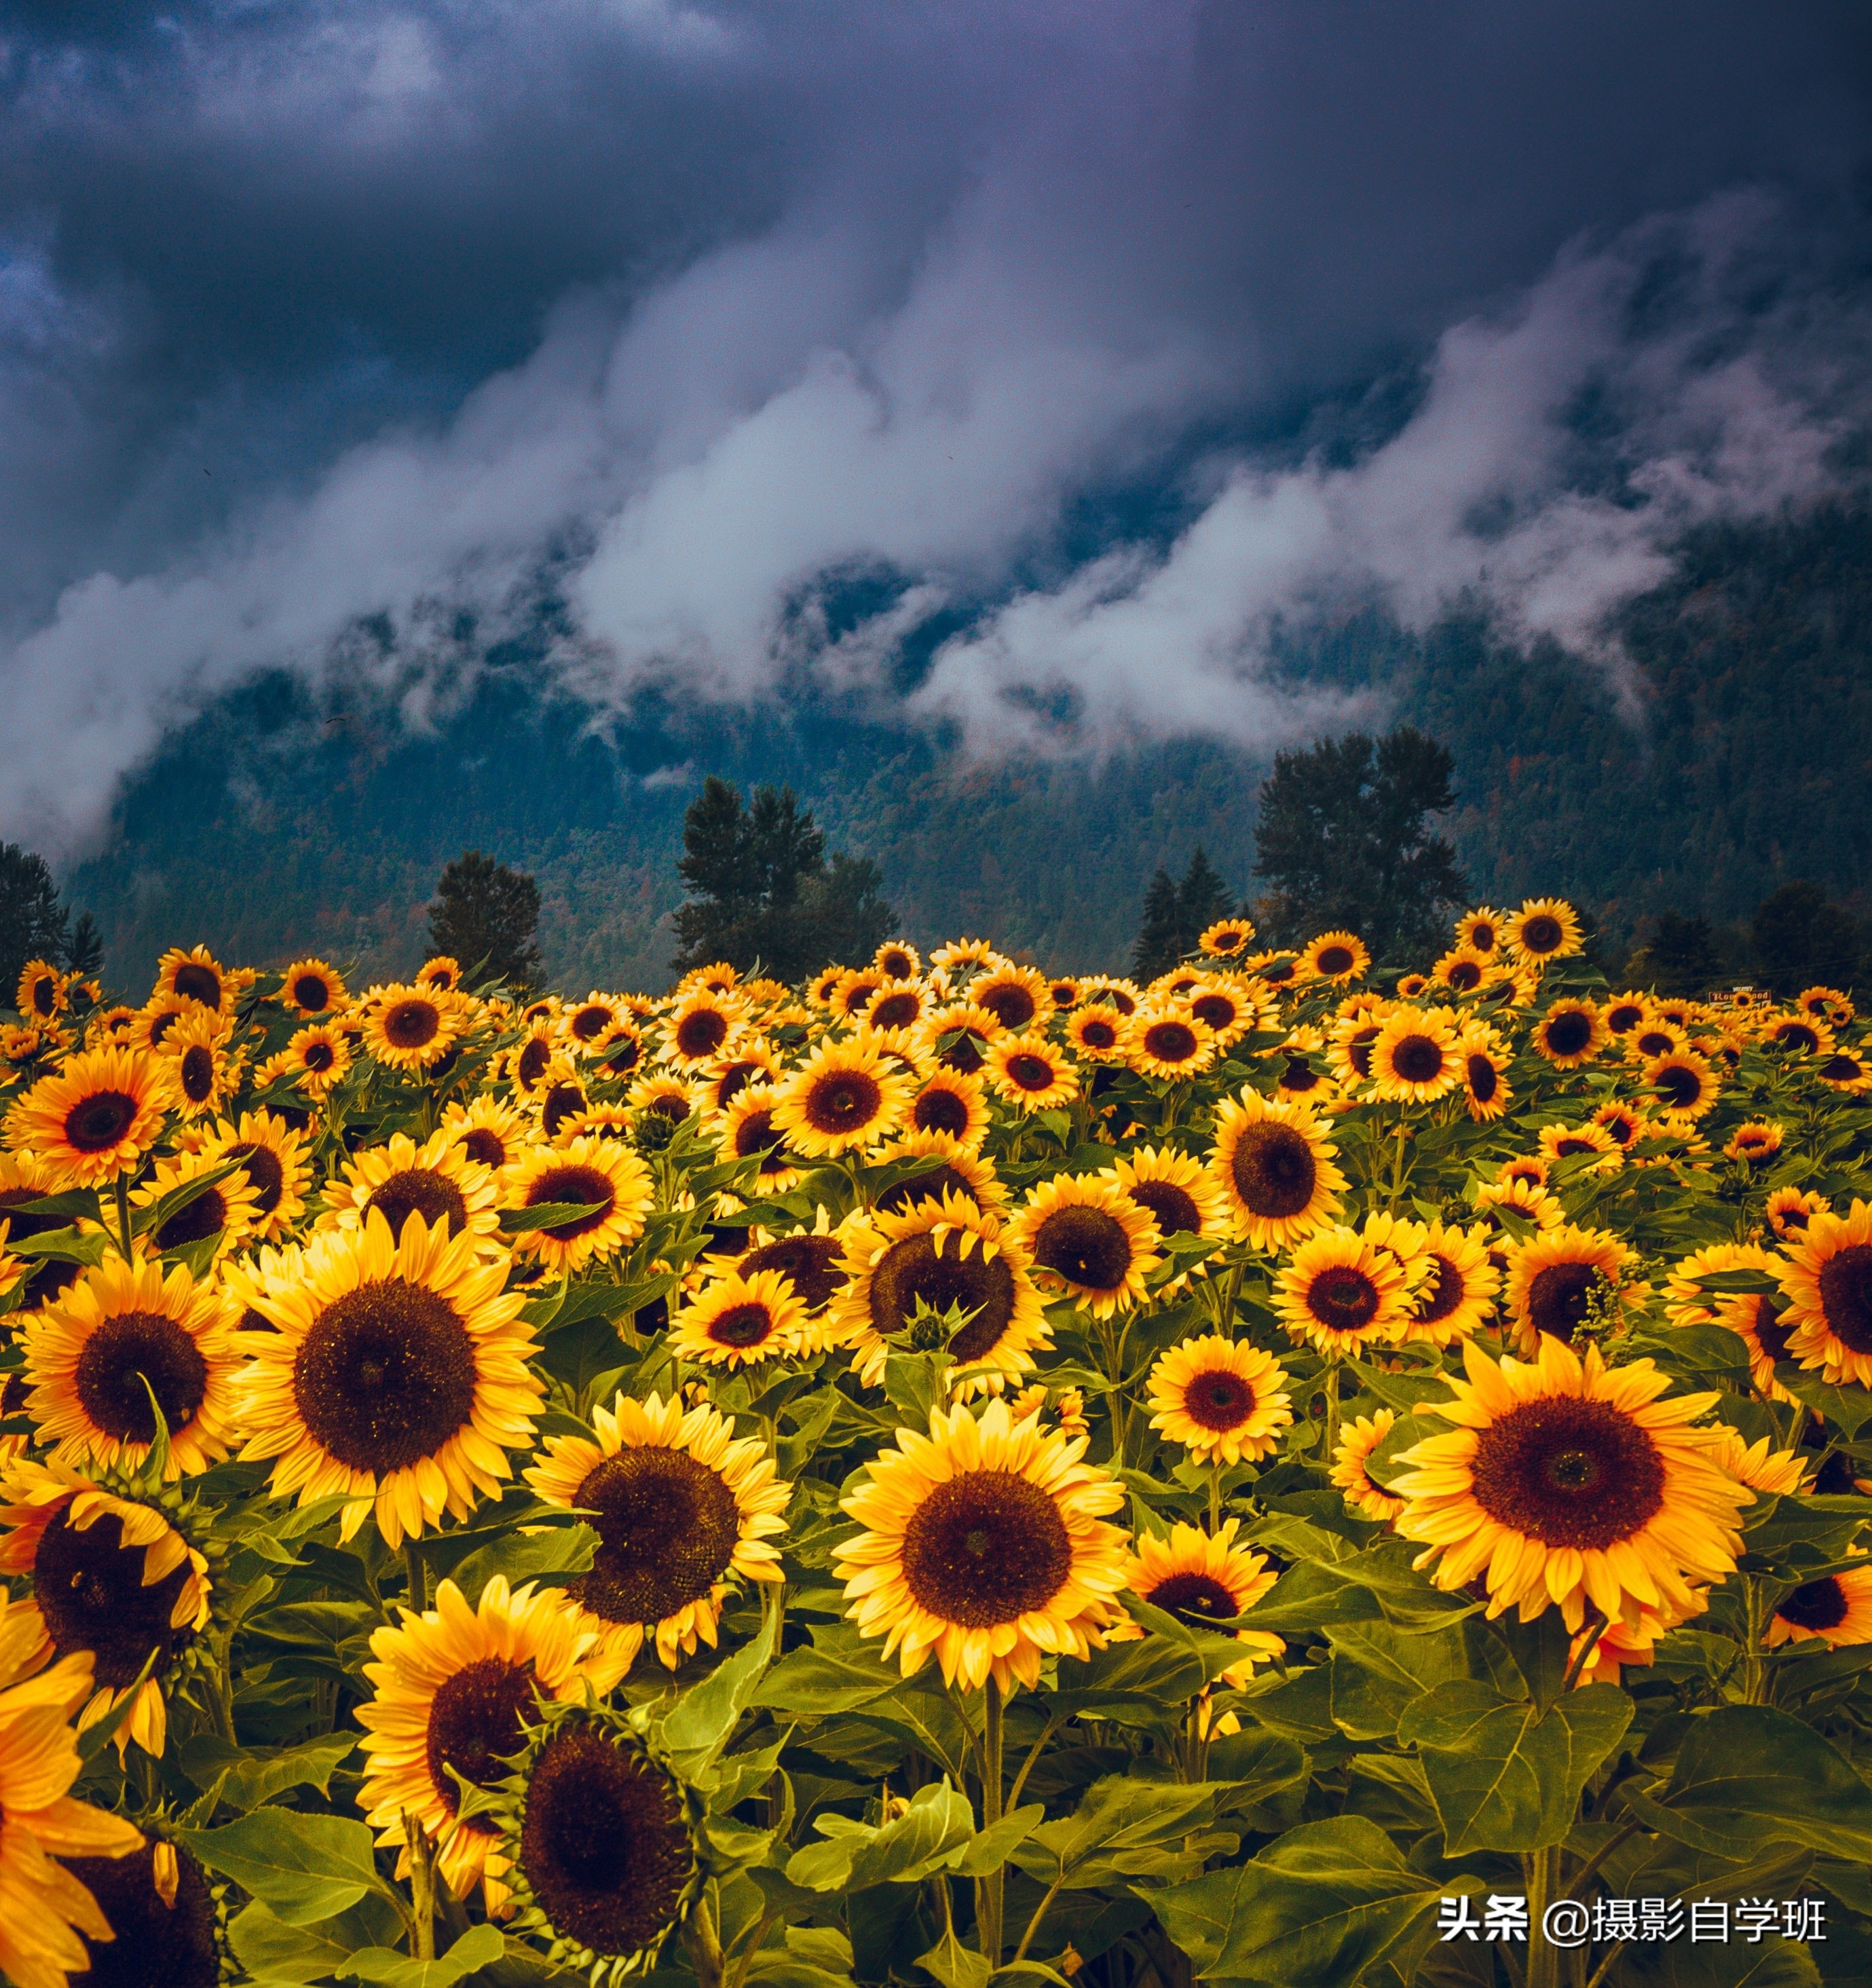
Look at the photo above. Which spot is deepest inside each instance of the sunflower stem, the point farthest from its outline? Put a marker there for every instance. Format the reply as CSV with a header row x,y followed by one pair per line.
x,y
989,1892
422,1889
1542,1870
1331,1380
416,1575
1215,1498
124,1239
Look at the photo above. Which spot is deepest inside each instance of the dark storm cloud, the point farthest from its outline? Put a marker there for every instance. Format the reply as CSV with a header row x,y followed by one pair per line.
x,y
310,313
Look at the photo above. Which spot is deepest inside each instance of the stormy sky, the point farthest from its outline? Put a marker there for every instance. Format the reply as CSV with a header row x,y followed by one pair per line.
x,y
1115,336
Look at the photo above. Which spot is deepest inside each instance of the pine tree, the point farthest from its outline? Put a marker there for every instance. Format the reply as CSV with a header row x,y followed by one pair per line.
x,y
1159,934
1800,939
487,915
84,951
1202,897
32,921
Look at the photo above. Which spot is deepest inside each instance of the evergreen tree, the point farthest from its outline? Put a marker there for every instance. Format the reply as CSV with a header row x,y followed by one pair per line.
x,y
1800,939
487,915
1680,958
763,890
32,921
1158,947
1202,897
84,951
1343,837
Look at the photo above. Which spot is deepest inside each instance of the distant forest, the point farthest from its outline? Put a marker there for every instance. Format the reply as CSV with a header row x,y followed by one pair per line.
x,y
1736,757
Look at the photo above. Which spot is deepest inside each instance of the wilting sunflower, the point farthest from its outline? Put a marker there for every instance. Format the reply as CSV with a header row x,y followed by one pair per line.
x,y
1552,1281
1096,1032
1203,1579
842,1098
1579,1142
1227,937
1414,1057
1223,1400
313,988
596,1846
93,1119
700,1029
1339,1292
1544,928
959,1169
1836,1607
601,1175
112,1580
1030,1072
1828,1280
455,1687
90,1354
436,1180
1090,1240
1685,1085
932,1262
410,1028
951,1103
1571,1034
986,1543
1789,1210
1274,1165
1168,1042
682,1509
396,1376
1340,957
1357,1439
741,1321
1567,1482
225,1211
316,1059
1457,1288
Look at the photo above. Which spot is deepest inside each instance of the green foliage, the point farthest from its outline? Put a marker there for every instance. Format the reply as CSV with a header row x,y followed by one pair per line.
x,y
1177,914
34,922
1800,940
486,916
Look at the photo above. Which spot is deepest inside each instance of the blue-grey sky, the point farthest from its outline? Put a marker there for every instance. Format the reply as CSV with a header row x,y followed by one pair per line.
x,y
314,316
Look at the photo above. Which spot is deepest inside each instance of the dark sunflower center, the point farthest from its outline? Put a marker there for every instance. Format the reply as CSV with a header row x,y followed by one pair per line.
x,y
206,1216
588,1024
485,1148
756,1134
386,1376
1334,959
1174,1207
121,1353
1464,974
265,1174
1278,971
701,1033
1299,1077
23,1227
1558,1296
912,1270
96,1123
1798,1036
986,1548
1841,1069
1219,1398
1845,1296
941,1111
319,1055
899,965
1569,1473
734,1081
666,1527
1816,1604
199,983
932,1186
1170,1042
1274,1170
578,1187
532,1063
1624,1018
310,995
411,1024
895,1011
809,1263
964,1054
1770,1333
1483,1078
1342,1298
45,995
1542,933
1444,1291
1195,1598
474,1722
623,1059
1098,1035
1358,1050
90,1592
197,1073
1085,1246
1215,1011
419,1191
1418,1059
1482,937
1565,1149
1029,1072
843,1100
157,1944
1679,1086
743,1325
603,1846
1569,1033
1012,1006
562,1101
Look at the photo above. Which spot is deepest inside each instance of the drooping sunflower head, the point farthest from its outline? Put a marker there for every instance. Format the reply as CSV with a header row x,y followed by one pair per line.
x,y
195,975
604,1185
1555,1280
1275,1169
844,1097
1223,1400
1571,1033
314,988
411,1028
1414,1058
1544,928
1358,1439
741,1321
1227,937
94,1118
1754,1144
1032,1073
1089,1240
1340,957
1339,1292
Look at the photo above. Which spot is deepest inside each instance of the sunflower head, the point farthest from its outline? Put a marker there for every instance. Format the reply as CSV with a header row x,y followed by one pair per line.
x,y
1203,1579
741,1321
1359,1437
314,988
1227,937
605,1187
1089,1240
1340,957
1275,1169
845,1096
1030,1072
1340,1292
1414,1058
411,1028
1560,1281
94,1118
1571,1033
195,975
1481,930
1545,928
1684,1084
1223,1400
1169,1041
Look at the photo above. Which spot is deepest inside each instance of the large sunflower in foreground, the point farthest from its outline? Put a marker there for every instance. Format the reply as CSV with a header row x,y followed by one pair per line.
x,y
1340,1292
123,1333
601,1175
1223,1400
162,1908
1828,1281
437,1180
113,1581
1552,1280
1274,1165
1568,1482
682,1508
94,1118
984,1542
1203,1579
453,1687
396,1375
844,1096
1090,1240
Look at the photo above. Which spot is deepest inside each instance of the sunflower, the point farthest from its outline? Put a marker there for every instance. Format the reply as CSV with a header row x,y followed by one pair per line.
x,y
112,1580
897,1004
985,1543
410,1028
666,1097
1030,1072
857,986
1301,1081
1567,1482
163,1912
157,1016
1481,930
1798,1037
1544,928
491,1132
195,975
753,1062
93,1119
898,959
1652,1038
740,1321
1352,1036
526,1063
1340,957
1788,1212
682,1509
455,1687
701,1028
821,988
1685,1083
1358,1440
810,1261
1339,1292
1096,1032
1828,1281
842,1096
749,1130
1413,986
1825,1004
1203,1579
1414,1058
589,1024
912,1271
1225,1009
1015,995
1777,1471
1576,1142
274,1165
1176,1190
1461,969
562,1102
959,956
1532,1168
1754,1144
961,1170
1761,1323
1226,938
396,1375
317,1058
1274,1167
24,1177
110,1026
313,988
1223,1400
602,1175
1090,1241
1530,1202
953,1105
436,1180
442,974
1571,1033
1836,1607
1845,1070
225,1213
1624,1013
122,1333
1552,1280
1168,1042
1624,1124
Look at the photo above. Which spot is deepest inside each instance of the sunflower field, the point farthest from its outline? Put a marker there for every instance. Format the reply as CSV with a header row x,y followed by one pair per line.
x,y
940,1475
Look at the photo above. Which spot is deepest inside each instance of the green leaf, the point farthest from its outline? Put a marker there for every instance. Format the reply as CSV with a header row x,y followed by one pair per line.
x,y
1317,1908
991,1847
248,1778
1845,1408
938,1823
271,1950
550,1557
548,1215
304,1867
143,1221
954,1964
1123,1828
1503,1776
699,1727
67,1246
480,1946
821,1681
915,1383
